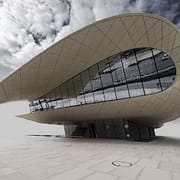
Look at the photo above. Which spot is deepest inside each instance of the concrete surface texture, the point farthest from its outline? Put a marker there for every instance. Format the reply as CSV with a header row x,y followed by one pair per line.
x,y
88,46
55,158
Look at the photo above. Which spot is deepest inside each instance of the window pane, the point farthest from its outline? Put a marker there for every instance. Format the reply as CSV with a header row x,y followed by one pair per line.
x,y
87,87
43,104
98,96
79,90
80,99
71,93
89,97
52,102
53,105
95,78
131,73
163,61
147,66
135,89
152,86
105,73
143,54
122,92
59,103
58,97
65,95
48,100
167,81
86,84
131,68
109,94
117,70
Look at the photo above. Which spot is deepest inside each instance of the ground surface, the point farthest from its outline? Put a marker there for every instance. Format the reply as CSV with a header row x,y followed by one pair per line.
x,y
51,158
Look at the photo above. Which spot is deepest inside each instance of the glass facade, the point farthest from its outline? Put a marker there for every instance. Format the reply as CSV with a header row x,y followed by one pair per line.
x,y
132,73
120,129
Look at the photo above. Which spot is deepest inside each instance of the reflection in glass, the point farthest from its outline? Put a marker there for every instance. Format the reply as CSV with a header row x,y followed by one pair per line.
x,y
152,86
78,89
167,81
65,95
109,94
122,91
98,96
135,89
132,73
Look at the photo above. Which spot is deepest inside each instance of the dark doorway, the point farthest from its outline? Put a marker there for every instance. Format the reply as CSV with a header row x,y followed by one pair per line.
x,y
92,130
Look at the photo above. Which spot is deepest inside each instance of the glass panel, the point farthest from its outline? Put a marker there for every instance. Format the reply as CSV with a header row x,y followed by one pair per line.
x,y
117,70
43,104
99,96
130,68
127,74
86,82
152,86
52,101
80,99
59,103
35,105
147,67
71,93
65,95
149,73
135,89
167,81
109,94
45,98
163,61
95,78
105,73
53,105
122,92
143,54
58,97
89,97
48,100
79,90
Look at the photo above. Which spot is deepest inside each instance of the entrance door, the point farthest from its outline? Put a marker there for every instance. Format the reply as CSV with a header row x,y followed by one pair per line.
x,y
92,130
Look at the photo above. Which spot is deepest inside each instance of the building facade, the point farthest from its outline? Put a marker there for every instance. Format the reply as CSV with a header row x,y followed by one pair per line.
x,y
128,74
116,78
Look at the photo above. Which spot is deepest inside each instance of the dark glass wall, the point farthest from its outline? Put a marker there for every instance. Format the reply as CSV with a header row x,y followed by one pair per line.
x,y
132,73
120,129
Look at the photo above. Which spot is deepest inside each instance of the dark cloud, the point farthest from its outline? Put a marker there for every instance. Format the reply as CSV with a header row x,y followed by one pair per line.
x,y
169,9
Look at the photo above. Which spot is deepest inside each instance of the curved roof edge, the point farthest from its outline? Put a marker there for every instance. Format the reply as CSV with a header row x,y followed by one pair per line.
x,y
89,45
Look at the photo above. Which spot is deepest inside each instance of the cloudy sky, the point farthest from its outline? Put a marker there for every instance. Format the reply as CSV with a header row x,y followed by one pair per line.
x,y
27,27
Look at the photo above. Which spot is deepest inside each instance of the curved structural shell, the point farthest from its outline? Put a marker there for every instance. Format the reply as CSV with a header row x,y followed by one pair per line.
x,y
88,46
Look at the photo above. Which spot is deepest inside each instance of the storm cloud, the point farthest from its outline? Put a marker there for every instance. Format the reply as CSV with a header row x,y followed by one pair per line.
x,y
29,27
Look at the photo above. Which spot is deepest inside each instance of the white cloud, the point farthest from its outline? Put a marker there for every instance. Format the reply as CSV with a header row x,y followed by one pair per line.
x,y
28,27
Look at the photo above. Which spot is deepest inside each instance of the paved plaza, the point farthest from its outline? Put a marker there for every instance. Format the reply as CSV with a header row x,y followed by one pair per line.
x,y
55,158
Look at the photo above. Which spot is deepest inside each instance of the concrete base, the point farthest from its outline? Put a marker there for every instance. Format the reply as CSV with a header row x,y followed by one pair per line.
x,y
110,129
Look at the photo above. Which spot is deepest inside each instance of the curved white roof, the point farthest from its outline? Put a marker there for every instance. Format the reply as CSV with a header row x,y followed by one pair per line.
x,y
88,46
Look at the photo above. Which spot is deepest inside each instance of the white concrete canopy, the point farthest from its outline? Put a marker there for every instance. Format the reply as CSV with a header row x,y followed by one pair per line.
x,y
88,46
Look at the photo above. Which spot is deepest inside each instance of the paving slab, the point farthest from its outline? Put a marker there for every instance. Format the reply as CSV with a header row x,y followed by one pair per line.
x,y
54,158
